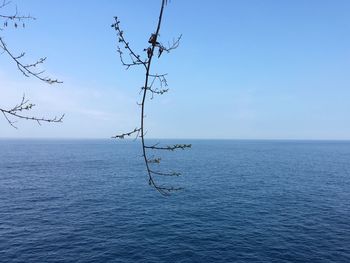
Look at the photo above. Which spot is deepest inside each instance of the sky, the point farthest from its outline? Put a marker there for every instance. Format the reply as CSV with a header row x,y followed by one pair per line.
x,y
245,69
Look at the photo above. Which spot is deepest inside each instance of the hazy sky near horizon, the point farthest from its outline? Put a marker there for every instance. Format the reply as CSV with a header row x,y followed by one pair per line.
x,y
245,69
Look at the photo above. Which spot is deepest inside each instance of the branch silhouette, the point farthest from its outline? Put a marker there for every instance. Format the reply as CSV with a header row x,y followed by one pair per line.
x,y
24,106
21,110
148,88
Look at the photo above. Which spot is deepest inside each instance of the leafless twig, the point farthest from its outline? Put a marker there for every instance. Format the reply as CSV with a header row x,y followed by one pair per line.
x,y
127,134
27,69
14,17
20,111
148,88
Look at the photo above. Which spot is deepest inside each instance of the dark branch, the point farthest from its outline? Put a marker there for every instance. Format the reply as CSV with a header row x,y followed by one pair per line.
x,y
169,47
155,160
123,135
27,69
15,18
170,147
19,110
165,174
149,82
162,85
135,59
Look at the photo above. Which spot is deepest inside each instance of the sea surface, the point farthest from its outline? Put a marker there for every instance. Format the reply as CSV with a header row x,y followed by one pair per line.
x,y
243,201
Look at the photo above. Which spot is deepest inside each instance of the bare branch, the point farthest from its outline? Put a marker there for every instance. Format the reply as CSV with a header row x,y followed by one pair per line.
x,y
164,190
123,135
170,147
20,111
24,106
169,47
27,69
135,59
15,17
165,174
149,82
155,160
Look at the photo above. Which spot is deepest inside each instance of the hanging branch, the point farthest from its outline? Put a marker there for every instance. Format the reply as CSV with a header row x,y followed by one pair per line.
x,y
27,69
148,88
23,106
14,17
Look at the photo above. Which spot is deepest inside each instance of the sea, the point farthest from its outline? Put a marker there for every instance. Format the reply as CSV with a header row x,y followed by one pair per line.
x,y
242,201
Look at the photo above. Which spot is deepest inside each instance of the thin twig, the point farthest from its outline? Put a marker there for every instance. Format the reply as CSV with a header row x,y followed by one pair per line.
x,y
149,82
20,111
27,69
24,106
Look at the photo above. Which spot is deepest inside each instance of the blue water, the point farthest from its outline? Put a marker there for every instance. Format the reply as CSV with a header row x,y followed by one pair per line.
x,y
244,201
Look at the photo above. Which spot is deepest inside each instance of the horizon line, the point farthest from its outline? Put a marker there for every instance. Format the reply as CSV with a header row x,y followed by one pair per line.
x,y
133,139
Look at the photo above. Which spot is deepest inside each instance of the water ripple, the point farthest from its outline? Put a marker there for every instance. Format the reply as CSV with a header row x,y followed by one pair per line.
x,y
244,201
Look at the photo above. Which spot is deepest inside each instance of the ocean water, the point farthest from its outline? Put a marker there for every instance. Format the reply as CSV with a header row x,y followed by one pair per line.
x,y
243,201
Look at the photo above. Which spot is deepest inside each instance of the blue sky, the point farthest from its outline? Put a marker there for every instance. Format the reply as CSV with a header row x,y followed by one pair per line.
x,y
247,69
